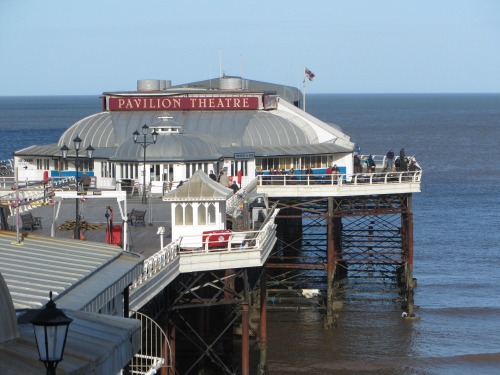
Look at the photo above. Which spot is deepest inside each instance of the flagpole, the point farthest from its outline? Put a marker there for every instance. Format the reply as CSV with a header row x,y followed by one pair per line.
x,y
304,94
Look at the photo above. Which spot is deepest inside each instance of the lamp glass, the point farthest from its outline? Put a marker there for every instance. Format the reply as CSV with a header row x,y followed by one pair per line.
x,y
64,151
145,129
90,151
50,341
77,141
51,329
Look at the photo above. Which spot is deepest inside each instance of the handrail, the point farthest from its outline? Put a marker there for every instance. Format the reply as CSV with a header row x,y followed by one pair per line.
x,y
340,179
235,200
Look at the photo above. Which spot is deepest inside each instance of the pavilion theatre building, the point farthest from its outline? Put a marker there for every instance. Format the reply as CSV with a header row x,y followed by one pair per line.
x,y
229,124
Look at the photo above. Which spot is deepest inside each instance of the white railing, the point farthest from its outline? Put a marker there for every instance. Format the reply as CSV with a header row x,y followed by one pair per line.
x,y
6,182
235,200
157,262
340,179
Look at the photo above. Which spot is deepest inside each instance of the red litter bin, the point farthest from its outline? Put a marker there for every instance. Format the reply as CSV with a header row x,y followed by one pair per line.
x,y
116,237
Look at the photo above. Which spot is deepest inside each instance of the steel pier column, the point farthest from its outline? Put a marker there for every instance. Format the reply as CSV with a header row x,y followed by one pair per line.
x,y
329,321
245,342
408,254
263,325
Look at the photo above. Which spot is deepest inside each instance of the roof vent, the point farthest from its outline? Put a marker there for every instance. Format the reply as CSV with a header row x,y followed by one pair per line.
x,y
148,85
230,83
165,84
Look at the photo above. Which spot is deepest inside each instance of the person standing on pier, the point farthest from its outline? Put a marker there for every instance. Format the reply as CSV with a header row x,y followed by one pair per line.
x,y
223,179
85,181
357,164
389,161
212,176
370,164
403,161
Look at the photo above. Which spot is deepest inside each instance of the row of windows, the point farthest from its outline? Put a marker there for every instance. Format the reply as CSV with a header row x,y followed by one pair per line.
x,y
267,164
64,165
184,214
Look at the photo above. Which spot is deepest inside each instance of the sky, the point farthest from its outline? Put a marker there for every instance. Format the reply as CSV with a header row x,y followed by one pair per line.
x,y
87,47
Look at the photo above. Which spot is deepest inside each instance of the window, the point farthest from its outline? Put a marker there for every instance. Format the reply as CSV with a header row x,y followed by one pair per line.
x,y
179,215
202,214
188,215
211,213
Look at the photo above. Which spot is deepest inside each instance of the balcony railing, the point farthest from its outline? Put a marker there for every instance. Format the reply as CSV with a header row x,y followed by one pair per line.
x,y
340,179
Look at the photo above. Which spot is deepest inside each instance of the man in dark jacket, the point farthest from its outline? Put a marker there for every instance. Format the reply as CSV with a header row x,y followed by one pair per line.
x,y
389,161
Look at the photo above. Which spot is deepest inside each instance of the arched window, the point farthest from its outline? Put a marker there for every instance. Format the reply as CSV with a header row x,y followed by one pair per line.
x,y
188,215
179,215
211,214
202,214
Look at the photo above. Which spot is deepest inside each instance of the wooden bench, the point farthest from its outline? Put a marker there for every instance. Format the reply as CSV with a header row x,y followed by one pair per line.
x,y
31,222
136,217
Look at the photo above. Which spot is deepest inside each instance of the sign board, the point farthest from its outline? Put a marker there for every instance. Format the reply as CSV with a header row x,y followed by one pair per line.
x,y
173,103
244,155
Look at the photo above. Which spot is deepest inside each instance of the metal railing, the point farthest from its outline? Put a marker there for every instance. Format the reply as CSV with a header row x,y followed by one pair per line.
x,y
340,179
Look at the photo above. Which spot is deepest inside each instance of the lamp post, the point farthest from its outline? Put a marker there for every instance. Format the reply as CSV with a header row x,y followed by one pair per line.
x,y
51,331
145,143
64,150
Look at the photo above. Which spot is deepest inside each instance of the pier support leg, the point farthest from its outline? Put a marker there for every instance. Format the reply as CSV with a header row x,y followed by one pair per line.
x,y
263,326
245,340
171,359
329,321
408,255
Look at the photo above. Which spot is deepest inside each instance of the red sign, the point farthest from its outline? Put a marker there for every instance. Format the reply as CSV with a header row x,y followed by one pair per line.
x,y
173,103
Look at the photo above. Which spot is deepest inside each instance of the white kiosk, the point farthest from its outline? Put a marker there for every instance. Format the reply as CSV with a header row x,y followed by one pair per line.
x,y
198,206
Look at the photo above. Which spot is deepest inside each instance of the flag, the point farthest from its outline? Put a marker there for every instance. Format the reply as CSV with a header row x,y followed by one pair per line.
x,y
309,74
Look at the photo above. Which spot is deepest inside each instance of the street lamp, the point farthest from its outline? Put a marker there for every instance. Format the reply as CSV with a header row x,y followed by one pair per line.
x,y
145,143
64,150
51,330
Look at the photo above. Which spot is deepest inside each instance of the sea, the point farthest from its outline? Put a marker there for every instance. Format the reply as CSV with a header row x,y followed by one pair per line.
x,y
455,139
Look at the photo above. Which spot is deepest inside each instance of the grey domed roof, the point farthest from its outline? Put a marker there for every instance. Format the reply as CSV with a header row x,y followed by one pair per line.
x,y
97,130
170,147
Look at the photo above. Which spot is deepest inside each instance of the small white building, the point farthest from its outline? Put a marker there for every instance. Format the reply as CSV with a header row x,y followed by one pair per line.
x,y
199,205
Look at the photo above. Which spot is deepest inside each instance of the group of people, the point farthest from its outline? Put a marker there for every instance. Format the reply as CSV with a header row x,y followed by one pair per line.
x,y
223,179
403,163
392,164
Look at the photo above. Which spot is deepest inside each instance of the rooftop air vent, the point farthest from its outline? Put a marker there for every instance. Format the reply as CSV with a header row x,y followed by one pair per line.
x,y
231,83
148,85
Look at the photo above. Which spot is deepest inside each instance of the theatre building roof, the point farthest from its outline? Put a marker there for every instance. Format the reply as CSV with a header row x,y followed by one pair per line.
x,y
204,120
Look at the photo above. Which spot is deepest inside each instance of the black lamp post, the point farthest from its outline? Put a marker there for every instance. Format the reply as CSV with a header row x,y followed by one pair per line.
x,y
64,150
51,330
145,143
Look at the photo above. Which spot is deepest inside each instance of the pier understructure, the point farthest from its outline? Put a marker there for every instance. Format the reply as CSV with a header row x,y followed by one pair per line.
x,y
342,242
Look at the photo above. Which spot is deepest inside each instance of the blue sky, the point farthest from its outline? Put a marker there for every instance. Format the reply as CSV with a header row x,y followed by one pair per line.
x,y
86,47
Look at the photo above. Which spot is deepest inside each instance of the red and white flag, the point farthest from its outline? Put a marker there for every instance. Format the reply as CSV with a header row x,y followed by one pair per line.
x,y
309,74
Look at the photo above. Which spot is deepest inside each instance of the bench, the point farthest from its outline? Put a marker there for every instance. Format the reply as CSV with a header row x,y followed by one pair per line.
x,y
136,217
31,222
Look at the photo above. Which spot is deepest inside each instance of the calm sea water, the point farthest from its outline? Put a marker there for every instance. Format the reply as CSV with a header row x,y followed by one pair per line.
x,y
457,234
